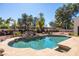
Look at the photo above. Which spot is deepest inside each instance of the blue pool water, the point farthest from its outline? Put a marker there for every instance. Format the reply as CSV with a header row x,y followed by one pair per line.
x,y
38,42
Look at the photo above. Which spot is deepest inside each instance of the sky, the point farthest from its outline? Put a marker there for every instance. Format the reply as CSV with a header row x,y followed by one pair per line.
x,y
14,10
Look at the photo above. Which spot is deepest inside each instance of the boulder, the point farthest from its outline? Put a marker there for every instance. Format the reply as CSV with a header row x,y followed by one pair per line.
x,y
1,54
1,50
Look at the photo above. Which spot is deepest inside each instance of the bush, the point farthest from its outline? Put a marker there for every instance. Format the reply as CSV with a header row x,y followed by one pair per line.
x,y
17,33
71,33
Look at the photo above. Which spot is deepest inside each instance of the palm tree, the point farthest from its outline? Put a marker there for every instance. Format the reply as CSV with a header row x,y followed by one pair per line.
x,y
37,25
40,23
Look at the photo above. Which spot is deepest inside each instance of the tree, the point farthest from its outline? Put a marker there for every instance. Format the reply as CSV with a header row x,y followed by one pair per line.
x,y
40,23
30,22
52,24
7,23
20,24
65,14
1,22
14,26
34,21
8,20
37,25
25,20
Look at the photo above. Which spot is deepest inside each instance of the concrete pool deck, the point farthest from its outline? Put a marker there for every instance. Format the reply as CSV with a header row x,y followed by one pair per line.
x,y
71,42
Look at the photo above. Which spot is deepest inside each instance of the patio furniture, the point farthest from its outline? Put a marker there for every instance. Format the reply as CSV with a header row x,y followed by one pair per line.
x,y
62,48
59,50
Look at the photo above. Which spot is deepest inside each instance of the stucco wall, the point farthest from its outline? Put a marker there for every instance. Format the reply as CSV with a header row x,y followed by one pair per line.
x,y
76,24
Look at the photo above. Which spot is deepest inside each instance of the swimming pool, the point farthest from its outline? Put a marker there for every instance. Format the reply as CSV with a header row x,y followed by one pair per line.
x,y
42,42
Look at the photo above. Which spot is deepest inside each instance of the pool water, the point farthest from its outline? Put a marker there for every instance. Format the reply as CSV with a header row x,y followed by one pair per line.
x,y
38,42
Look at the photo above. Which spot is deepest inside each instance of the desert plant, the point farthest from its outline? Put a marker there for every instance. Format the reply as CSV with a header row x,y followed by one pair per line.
x,y
17,33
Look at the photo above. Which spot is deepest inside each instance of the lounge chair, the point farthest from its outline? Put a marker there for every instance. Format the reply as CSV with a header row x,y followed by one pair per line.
x,y
62,48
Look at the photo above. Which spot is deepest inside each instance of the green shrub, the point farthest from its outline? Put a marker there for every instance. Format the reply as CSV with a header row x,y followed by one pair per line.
x,y
17,33
49,33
